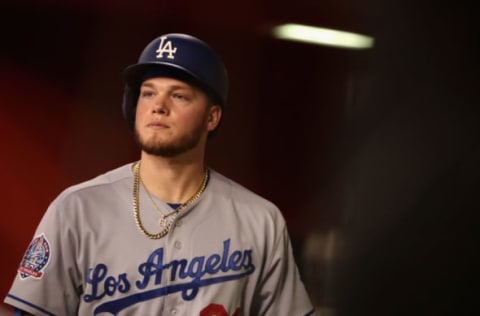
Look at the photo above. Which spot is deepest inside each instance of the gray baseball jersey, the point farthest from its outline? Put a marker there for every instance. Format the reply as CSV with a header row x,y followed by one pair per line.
x,y
228,253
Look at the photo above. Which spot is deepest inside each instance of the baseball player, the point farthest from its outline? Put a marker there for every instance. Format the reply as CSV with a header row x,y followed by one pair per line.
x,y
164,235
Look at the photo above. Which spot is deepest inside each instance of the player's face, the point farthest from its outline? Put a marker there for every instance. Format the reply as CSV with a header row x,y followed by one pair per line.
x,y
173,117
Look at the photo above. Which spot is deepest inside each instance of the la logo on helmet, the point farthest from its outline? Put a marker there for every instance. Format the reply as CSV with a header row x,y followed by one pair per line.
x,y
166,47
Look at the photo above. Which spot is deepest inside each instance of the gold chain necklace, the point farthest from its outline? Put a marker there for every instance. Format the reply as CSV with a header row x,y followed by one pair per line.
x,y
163,220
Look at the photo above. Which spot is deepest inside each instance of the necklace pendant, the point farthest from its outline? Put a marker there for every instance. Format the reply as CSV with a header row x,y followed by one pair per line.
x,y
163,222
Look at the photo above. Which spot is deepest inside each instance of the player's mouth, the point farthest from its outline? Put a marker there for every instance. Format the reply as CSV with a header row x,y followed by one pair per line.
x,y
157,125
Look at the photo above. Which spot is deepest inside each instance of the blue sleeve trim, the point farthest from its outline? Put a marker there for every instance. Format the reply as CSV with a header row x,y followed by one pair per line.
x,y
29,304
17,312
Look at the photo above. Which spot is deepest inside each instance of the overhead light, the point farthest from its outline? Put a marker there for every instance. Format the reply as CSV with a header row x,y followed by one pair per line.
x,y
322,36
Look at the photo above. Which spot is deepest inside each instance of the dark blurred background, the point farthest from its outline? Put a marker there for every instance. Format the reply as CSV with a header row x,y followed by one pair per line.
x,y
372,155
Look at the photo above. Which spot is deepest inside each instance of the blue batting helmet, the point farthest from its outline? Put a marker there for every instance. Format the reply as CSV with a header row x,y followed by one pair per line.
x,y
178,56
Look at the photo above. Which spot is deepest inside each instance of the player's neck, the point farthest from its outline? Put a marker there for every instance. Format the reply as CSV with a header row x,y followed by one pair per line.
x,y
172,180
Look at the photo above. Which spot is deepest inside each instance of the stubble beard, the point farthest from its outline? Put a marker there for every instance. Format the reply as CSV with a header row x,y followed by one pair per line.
x,y
173,148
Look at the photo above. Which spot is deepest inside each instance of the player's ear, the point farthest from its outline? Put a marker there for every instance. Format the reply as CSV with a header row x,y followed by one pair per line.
x,y
214,116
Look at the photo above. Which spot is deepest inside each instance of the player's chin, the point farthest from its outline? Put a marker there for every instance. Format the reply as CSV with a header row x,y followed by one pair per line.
x,y
165,150
151,137
157,137
156,142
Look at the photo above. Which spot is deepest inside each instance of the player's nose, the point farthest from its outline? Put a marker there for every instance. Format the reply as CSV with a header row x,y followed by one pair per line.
x,y
161,106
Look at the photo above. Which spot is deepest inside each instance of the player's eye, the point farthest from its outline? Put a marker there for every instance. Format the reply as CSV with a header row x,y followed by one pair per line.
x,y
146,93
181,97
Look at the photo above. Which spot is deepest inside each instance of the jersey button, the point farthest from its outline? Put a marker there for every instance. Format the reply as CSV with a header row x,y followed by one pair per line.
x,y
179,223
178,244
173,311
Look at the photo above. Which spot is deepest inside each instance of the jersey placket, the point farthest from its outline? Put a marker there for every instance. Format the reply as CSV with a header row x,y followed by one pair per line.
x,y
175,249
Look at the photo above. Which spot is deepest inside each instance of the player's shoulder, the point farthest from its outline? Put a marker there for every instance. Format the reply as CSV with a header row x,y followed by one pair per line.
x,y
230,189
250,207
100,183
